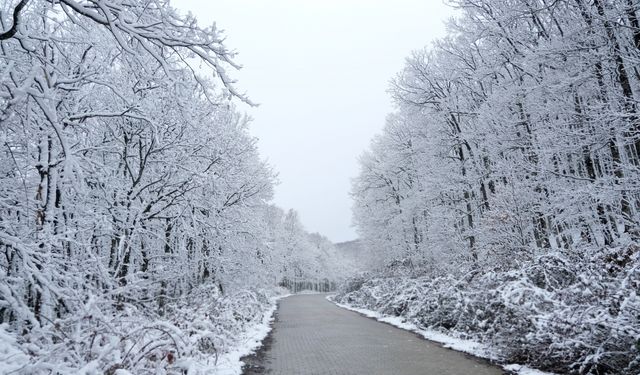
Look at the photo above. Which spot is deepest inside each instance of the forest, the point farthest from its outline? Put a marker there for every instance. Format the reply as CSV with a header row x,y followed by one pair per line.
x,y
136,229
500,203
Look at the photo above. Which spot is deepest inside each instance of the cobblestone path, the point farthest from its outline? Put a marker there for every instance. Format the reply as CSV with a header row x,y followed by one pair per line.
x,y
313,336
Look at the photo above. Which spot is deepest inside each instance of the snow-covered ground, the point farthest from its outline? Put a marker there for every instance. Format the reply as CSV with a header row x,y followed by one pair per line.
x,y
230,363
466,346
11,359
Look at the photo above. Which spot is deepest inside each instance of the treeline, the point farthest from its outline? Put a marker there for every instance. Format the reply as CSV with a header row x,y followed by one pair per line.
x,y
127,179
512,161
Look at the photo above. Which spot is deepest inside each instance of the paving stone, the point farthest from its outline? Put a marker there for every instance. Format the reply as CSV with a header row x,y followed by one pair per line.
x,y
314,337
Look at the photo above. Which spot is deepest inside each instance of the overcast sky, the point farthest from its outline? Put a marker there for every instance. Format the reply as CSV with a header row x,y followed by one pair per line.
x,y
320,70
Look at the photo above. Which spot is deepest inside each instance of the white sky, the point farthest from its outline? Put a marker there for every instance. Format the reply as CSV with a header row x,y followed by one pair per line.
x,y
320,70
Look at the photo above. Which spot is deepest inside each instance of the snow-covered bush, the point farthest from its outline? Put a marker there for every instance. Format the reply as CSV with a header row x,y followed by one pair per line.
x,y
553,313
197,329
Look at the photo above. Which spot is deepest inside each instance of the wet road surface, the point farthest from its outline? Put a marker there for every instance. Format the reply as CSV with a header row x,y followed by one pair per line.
x,y
313,336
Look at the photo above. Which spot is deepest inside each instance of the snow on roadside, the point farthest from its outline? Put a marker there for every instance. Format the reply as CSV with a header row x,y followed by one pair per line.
x,y
466,346
524,370
11,359
230,363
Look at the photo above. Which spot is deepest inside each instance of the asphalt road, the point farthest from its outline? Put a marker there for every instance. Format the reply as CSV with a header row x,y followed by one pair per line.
x,y
313,336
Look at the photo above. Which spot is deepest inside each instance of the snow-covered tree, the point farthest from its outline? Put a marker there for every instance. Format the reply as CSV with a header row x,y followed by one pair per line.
x,y
514,147
127,177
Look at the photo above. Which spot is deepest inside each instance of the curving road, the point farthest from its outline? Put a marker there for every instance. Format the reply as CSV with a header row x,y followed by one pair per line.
x,y
313,336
